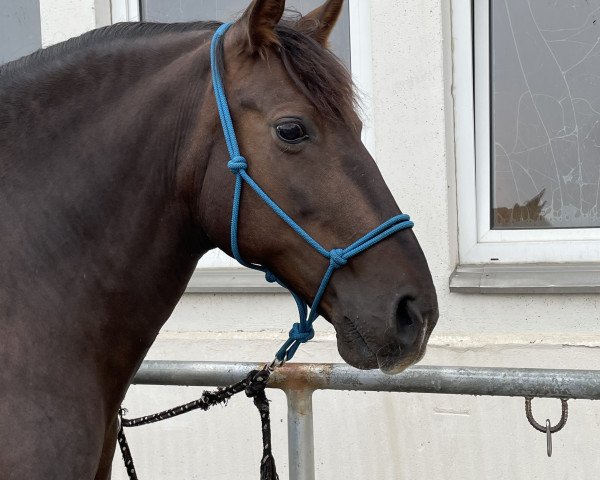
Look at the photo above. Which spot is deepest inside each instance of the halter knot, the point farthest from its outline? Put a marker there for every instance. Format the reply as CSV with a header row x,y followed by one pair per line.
x,y
336,258
297,334
237,164
270,277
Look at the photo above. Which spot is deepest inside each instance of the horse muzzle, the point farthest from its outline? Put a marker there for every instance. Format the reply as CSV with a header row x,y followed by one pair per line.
x,y
391,344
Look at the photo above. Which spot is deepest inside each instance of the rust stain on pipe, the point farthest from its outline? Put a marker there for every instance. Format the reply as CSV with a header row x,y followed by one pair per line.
x,y
298,376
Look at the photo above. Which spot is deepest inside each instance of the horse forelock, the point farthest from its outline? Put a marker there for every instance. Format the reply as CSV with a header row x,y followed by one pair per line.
x,y
316,71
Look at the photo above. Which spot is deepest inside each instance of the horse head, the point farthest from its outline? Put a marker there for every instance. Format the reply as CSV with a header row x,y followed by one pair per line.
x,y
293,109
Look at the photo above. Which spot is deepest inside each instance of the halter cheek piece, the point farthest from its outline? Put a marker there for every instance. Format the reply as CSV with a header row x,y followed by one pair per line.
x,y
302,331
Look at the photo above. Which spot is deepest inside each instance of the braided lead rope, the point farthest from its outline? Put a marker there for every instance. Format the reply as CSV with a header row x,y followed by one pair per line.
x,y
256,391
302,331
253,385
125,450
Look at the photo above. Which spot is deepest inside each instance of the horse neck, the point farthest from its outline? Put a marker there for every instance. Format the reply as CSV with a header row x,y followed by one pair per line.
x,y
95,199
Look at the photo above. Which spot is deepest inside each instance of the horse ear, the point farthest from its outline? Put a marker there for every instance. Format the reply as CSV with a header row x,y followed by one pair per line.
x,y
258,24
320,22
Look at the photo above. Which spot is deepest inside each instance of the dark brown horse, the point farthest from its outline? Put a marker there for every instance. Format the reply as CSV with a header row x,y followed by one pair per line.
x,y
113,183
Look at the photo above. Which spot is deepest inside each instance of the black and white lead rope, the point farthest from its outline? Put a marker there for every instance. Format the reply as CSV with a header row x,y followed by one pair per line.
x,y
254,385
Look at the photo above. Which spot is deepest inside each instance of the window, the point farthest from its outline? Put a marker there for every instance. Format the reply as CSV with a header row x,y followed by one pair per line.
x,y
527,113
350,41
20,29
169,11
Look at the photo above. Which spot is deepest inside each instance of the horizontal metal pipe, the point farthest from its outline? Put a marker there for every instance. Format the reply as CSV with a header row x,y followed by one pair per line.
x,y
507,382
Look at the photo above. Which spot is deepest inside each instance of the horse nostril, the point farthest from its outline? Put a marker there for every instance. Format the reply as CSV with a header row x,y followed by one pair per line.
x,y
404,314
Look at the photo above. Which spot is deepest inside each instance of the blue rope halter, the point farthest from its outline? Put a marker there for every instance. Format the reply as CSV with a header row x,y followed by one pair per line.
x,y
302,331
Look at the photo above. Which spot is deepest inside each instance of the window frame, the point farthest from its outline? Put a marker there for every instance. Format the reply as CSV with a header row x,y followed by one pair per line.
x,y
125,11
478,243
233,278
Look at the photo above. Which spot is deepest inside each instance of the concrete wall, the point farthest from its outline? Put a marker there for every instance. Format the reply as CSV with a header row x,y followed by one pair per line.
x,y
381,436
63,19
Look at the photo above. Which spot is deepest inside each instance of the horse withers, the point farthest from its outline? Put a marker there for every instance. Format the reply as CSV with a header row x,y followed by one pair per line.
x,y
114,182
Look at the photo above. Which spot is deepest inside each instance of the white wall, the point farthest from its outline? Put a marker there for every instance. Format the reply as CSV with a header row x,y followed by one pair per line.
x,y
382,436
63,19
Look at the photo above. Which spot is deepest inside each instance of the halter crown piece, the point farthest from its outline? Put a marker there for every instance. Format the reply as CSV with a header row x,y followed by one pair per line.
x,y
302,331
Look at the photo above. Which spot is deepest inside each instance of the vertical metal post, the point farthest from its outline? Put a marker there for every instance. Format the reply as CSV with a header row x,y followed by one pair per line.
x,y
301,443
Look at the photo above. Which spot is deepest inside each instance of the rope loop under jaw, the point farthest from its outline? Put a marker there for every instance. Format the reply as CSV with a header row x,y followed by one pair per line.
x,y
301,334
270,277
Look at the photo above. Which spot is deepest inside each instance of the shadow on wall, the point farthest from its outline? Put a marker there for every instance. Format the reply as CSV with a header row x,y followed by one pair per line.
x,y
529,215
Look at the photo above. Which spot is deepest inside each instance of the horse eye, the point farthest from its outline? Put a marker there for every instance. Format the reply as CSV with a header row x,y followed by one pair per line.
x,y
292,132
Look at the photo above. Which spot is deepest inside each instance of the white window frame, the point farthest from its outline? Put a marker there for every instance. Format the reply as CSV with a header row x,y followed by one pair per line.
x,y
125,10
478,244
218,273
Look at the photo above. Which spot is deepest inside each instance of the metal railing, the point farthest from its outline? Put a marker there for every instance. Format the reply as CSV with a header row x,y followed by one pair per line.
x,y
299,381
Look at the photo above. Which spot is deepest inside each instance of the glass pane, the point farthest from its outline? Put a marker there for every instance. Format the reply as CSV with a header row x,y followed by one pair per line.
x,y
20,29
226,10
545,69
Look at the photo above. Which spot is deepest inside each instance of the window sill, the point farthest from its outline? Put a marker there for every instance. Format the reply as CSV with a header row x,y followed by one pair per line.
x,y
230,280
495,279
527,278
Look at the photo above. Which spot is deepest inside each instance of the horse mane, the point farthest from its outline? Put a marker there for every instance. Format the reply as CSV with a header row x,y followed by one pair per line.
x,y
315,70
99,37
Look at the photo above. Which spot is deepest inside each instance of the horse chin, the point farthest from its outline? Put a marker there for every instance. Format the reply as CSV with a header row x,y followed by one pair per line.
x,y
358,361
357,354
392,366
390,359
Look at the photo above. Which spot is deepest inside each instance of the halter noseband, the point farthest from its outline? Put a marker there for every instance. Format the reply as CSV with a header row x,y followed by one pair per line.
x,y
302,331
